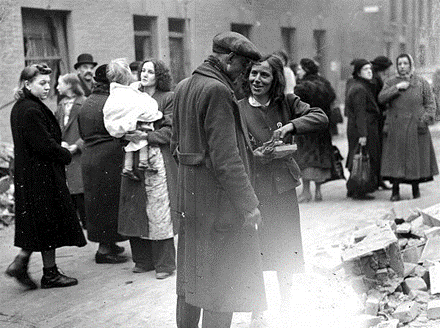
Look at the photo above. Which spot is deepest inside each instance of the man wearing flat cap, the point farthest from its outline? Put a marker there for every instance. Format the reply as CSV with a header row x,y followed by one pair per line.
x,y
84,67
219,260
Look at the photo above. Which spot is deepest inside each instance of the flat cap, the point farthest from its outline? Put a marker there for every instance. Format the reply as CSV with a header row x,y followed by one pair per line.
x,y
382,62
226,42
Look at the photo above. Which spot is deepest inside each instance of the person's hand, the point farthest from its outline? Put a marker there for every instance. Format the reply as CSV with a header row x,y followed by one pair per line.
x,y
252,219
73,148
263,158
402,85
363,141
282,131
135,136
64,144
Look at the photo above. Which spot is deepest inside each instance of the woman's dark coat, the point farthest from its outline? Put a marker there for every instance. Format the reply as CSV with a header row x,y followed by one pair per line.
x,y
218,261
408,153
133,220
363,121
275,182
44,215
315,149
70,134
101,168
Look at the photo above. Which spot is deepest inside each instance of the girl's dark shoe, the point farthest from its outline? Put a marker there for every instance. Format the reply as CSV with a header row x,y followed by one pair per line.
x,y
19,270
395,198
115,249
52,278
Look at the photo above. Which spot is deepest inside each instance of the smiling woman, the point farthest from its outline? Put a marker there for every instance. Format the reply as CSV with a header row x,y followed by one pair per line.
x,y
267,112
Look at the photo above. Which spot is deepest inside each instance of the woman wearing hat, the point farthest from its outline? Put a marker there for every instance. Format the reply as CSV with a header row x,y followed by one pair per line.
x,y
101,168
363,120
314,150
408,153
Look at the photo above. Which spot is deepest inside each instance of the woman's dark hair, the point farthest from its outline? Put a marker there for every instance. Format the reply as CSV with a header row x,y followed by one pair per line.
x,y
276,91
74,82
29,73
163,76
283,55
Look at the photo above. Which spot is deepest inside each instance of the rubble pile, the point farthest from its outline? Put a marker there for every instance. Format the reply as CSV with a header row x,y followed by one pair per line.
x,y
394,265
6,185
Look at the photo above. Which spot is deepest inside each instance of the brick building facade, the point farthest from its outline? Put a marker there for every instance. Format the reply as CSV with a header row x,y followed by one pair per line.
x,y
180,33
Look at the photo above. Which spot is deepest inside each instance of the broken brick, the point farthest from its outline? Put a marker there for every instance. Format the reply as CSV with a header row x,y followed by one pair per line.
x,y
388,324
403,228
432,232
434,278
406,312
433,309
416,283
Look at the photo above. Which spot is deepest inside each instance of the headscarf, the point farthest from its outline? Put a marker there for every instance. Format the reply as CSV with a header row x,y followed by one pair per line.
x,y
411,64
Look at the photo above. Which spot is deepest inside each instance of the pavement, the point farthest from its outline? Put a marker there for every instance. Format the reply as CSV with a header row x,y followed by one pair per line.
x,y
113,296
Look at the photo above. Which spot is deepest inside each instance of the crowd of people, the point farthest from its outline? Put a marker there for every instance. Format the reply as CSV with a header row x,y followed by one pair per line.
x,y
126,158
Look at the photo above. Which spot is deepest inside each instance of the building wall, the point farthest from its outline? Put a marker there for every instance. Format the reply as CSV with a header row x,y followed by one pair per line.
x,y
105,29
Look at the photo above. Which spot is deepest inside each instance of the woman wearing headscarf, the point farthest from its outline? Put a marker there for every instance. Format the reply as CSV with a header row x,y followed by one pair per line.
x,y
314,149
363,121
408,154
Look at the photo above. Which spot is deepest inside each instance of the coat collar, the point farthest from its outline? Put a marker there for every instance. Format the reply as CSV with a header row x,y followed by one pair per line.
x,y
212,68
74,112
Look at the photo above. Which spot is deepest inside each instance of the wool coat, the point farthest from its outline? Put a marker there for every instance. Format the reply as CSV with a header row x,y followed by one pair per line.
x,y
219,260
315,149
275,181
70,134
363,121
133,220
101,169
408,153
45,218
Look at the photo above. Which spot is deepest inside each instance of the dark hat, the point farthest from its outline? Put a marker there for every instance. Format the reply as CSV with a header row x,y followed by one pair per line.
x,y
134,66
381,63
226,42
85,59
309,65
101,74
358,64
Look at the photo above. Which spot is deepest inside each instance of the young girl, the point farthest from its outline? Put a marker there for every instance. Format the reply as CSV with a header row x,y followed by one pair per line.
x,y
67,112
126,110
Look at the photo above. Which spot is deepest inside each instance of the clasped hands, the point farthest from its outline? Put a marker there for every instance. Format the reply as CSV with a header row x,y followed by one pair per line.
x,y
72,148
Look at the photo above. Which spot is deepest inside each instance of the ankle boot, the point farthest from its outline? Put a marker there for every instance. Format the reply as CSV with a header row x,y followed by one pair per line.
x,y
19,270
52,278
395,196
415,190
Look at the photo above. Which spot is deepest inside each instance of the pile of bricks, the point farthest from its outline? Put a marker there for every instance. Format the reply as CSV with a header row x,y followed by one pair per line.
x,y
394,265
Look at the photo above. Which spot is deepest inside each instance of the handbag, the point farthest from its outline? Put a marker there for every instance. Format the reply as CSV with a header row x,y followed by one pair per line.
x,y
337,169
361,180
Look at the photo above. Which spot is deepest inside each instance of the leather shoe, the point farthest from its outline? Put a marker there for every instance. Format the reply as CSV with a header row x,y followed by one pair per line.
x,y
19,270
163,275
383,186
115,249
109,258
138,268
395,198
56,279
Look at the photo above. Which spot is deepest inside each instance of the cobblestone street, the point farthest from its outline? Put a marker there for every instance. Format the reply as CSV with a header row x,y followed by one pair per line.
x,y
113,296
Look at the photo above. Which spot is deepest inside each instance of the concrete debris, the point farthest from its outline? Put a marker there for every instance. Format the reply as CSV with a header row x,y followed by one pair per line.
x,y
395,265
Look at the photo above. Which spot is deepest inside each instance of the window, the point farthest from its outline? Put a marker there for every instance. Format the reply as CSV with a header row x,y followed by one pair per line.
x,y
429,12
243,29
402,48
421,12
144,37
389,49
176,29
44,37
422,55
405,11
288,40
393,10
320,47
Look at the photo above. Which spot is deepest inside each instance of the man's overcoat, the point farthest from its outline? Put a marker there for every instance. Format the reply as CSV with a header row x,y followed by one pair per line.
x,y
219,260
